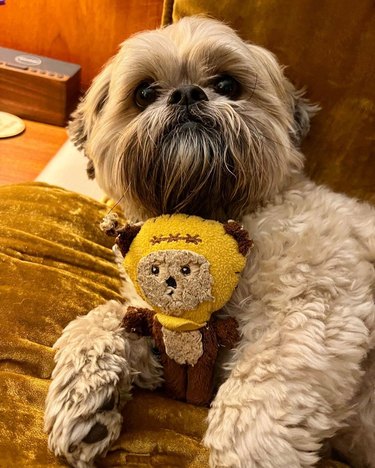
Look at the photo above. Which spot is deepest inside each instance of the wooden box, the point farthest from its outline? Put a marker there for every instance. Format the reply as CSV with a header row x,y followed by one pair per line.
x,y
38,88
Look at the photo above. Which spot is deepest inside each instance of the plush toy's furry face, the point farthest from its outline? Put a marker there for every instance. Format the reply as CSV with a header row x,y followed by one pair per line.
x,y
184,266
190,118
175,280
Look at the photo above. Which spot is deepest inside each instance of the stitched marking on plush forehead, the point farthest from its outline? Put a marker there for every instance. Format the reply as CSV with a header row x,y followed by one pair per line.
x,y
217,256
175,280
189,239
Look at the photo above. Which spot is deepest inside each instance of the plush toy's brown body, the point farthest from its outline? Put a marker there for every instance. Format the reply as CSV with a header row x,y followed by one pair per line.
x,y
188,376
187,269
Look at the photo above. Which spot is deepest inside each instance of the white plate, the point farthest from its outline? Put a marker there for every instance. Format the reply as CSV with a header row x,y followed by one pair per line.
x,y
10,125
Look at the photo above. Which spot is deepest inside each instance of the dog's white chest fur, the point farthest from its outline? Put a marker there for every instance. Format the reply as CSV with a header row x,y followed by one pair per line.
x,y
183,347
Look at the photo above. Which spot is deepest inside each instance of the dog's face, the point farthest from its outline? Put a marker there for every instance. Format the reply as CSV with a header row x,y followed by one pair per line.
x,y
191,119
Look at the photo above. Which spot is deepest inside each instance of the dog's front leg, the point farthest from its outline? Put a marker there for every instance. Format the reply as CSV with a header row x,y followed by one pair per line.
x,y
248,428
286,393
96,364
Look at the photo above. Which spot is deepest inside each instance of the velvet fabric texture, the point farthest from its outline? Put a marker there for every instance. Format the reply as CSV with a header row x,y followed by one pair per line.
x,y
327,47
55,264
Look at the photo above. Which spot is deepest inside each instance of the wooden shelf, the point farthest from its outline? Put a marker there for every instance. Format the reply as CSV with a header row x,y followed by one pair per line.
x,y
24,156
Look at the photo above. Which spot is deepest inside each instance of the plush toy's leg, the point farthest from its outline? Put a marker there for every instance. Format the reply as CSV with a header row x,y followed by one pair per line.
x,y
200,383
96,364
174,378
200,376
174,374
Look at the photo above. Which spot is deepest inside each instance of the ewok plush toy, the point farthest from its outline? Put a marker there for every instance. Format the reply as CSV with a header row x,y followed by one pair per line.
x,y
186,268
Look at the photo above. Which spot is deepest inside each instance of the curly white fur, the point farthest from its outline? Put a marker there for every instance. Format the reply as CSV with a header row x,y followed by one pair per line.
x,y
306,309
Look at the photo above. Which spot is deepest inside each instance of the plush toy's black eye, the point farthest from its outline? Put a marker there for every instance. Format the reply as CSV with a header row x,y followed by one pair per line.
x,y
145,94
226,86
155,270
185,270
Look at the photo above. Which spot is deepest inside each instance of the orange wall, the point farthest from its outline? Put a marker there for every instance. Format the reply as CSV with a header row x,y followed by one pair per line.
x,y
87,32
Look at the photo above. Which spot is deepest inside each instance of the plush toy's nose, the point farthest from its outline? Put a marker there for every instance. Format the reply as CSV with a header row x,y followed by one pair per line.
x,y
171,282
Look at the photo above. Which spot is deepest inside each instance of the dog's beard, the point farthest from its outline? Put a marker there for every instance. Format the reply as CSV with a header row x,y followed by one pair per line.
x,y
212,160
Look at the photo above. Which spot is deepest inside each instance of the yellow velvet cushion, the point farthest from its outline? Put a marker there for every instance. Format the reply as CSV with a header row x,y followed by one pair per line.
x,y
328,47
56,264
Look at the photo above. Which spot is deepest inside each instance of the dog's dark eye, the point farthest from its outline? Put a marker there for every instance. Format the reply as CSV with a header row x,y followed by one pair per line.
x,y
145,94
226,86
155,270
185,270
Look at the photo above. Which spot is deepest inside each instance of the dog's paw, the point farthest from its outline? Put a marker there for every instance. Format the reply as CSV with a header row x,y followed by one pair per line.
x,y
84,425
83,404
82,415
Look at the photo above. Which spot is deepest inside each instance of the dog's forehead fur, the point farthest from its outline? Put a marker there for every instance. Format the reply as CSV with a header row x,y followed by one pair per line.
x,y
193,51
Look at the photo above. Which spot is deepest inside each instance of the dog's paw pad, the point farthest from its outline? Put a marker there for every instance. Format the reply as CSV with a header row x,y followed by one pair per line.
x,y
109,404
97,433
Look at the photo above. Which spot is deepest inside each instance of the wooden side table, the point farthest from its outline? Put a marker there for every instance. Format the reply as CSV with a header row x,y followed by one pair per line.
x,y
22,157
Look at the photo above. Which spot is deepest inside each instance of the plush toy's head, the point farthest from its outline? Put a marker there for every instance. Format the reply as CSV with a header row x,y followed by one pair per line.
x,y
185,267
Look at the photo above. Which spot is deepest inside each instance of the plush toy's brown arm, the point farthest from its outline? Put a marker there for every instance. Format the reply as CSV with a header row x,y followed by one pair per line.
x,y
139,321
226,331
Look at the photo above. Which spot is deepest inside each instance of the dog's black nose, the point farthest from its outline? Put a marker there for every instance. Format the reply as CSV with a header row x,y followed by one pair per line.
x,y
187,95
171,282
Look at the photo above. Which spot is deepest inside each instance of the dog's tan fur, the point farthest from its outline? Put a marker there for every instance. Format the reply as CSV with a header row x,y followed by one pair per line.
x,y
303,371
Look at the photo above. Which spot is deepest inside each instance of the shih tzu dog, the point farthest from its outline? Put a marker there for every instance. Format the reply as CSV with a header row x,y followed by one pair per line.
x,y
190,118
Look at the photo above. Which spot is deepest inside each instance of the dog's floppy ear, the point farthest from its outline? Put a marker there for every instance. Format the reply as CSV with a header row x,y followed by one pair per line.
x,y
302,110
88,110
240,235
